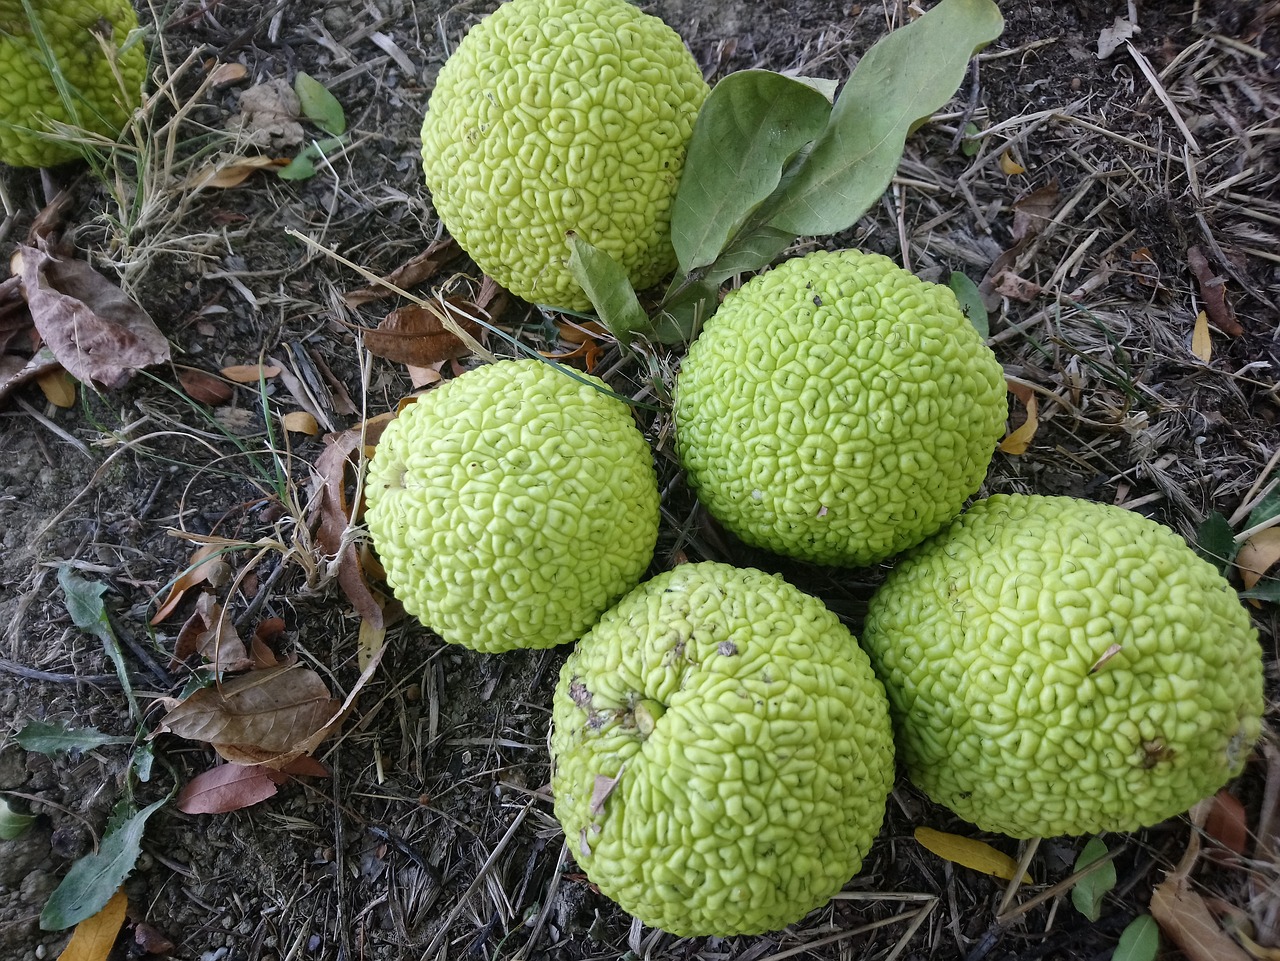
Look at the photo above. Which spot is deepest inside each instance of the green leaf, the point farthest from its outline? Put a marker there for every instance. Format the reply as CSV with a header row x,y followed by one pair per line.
x,y
12,824
969,146
44,738
970,298
1267,589
1088,892
95,877
319,105
84,604
609,289
303,166
755,247
900,81
1266,509
753,122
1215,542
688,305
1139,941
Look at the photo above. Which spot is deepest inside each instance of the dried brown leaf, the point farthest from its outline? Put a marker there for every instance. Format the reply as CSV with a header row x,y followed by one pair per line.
x,y
1010,167
52,217
1034,210
15,318
1185,918
205,566
1213,292
1008,284
334,516
225,74
1228,825
417,335
412,272
210,633
204,387
274,711
231,171
261,645
228,787
16,371
95,331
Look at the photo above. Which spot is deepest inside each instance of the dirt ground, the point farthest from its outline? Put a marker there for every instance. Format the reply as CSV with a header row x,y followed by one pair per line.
x,y
434,836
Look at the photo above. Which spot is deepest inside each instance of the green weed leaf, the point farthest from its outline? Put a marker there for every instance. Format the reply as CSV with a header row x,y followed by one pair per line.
x,y
609,289
1265,509
319,105
970,298
751,125
12,824
686,308
303,166
84,604
1139,941
1215,542
45,738
95,877
1088,892
900,81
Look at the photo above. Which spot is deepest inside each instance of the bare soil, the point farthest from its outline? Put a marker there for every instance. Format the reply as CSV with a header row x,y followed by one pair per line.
x,y
434,836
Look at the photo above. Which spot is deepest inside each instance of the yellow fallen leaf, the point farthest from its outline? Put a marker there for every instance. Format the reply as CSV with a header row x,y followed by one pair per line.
x,y
1018,441
300,422
1201,345
59,387
1009,166
969,853
371,640
95,936
1258,555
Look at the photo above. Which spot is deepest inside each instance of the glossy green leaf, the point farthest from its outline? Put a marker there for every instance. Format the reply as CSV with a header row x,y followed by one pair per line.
x,y
751,125
84,604
1088,892
12,824
900,81
609,289
92,880
970,298
1139,941
45,738
319,105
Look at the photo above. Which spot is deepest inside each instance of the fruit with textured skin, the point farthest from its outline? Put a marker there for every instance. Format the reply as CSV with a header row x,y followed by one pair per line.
x,y
562,115
722,752
103,83
838,409
1057,666
512,505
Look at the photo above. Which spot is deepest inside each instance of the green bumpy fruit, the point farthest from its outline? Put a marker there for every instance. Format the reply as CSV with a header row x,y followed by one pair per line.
x,y
838,409
512,505
1057,666
722,752
562,115
103,84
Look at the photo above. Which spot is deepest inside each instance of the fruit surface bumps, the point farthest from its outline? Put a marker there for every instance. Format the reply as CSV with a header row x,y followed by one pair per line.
x,y
512,505
838,409
561,115
722,752
102,84
1057,666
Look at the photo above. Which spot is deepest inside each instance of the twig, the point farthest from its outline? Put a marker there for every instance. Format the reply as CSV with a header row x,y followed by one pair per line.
x,y
13,667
